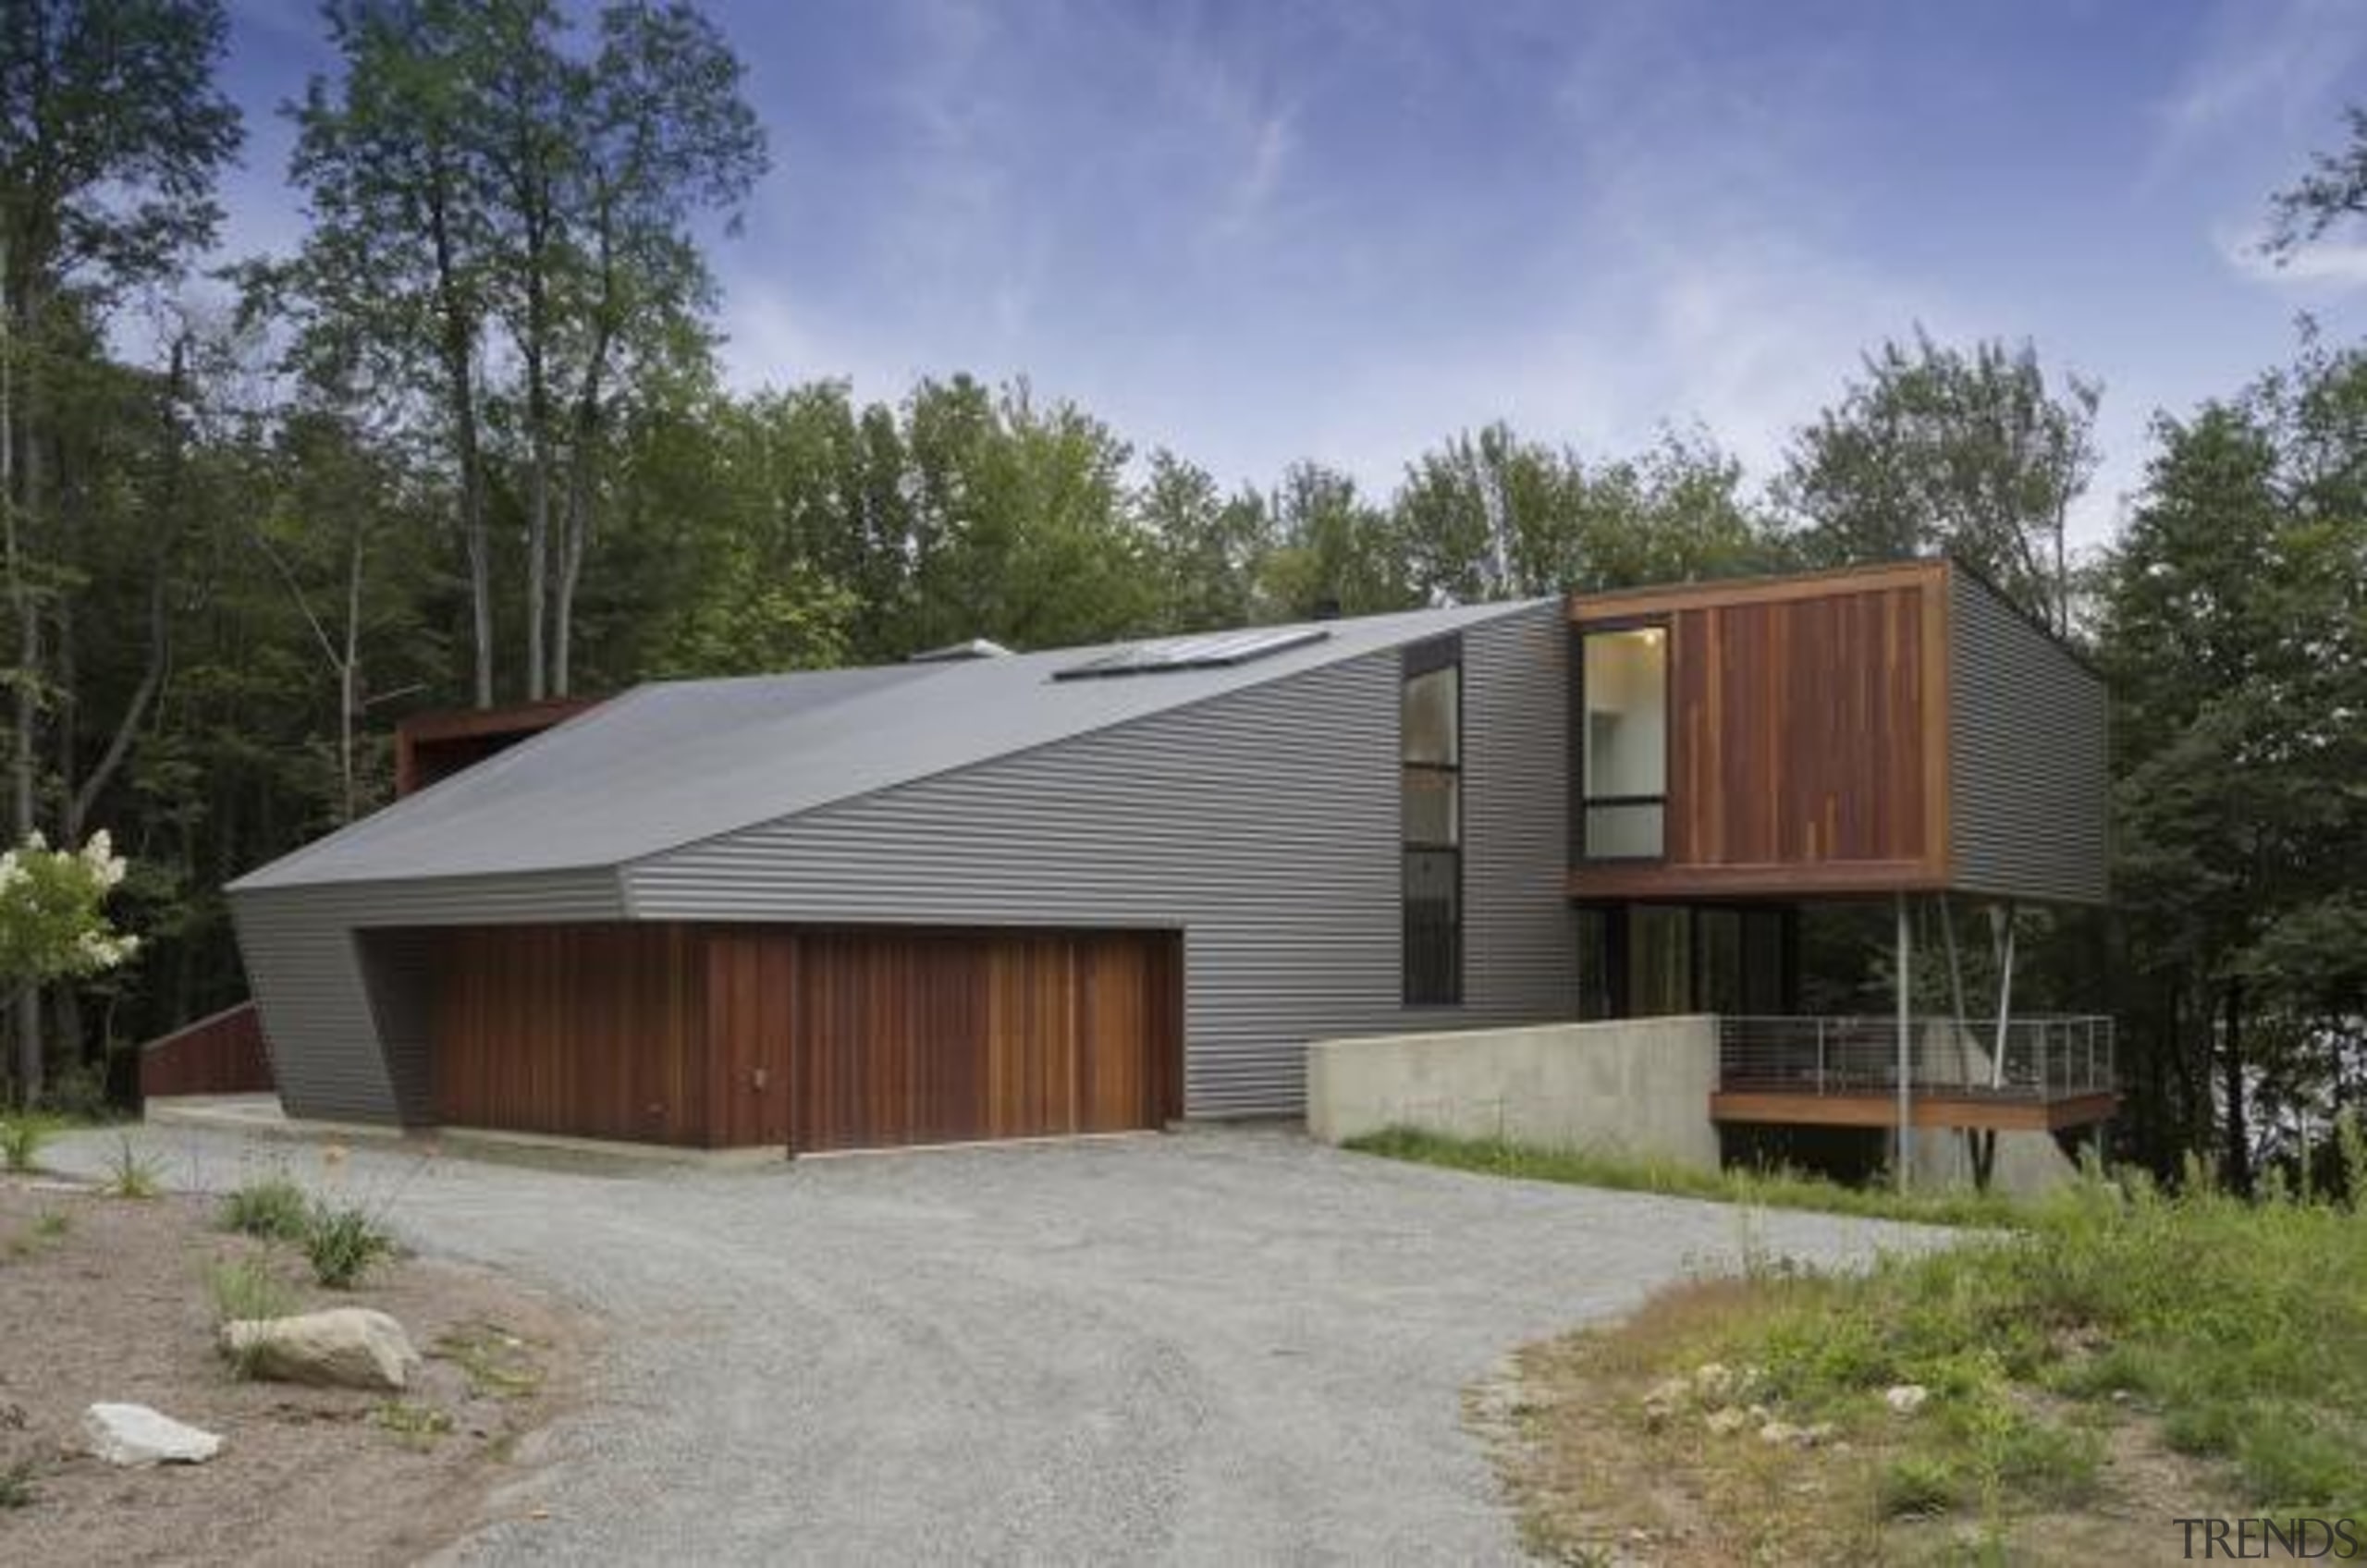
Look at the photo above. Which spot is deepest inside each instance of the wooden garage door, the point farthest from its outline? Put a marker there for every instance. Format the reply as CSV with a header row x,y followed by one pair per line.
x,y
894,1037
741,1036
593,1031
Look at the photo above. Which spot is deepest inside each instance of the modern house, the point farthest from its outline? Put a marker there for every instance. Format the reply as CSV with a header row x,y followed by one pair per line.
x,y
1010,895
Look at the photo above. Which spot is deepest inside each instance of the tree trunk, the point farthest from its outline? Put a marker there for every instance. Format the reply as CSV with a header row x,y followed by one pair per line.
x,y
582,466
575,536
570,568
2231,1067
16,485
349,670
538,487
458,351
538,534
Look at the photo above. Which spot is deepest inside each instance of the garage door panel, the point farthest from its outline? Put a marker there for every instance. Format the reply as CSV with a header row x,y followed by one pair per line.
x,y
940,1037
581,1030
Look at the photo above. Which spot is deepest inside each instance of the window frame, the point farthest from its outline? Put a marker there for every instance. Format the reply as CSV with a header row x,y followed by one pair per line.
x,y
1584,803
1415,661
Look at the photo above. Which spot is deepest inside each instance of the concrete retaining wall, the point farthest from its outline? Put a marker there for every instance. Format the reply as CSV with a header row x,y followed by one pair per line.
x,y
1636,1086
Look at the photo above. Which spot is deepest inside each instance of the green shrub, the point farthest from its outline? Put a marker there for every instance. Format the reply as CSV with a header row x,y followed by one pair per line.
x,y
21,1137
132,1174
245,1290
341,1242
1918,1484
52,1224
2304,1459
272,1208
16,1489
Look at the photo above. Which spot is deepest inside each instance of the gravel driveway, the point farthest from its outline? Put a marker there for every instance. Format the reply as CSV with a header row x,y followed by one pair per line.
x,y
1214,1346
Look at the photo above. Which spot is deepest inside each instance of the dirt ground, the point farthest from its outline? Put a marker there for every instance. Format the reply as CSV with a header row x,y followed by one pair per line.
x,y
105,1299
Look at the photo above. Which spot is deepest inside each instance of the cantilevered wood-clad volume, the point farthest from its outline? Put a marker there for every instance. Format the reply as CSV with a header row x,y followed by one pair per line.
x,y
1822,730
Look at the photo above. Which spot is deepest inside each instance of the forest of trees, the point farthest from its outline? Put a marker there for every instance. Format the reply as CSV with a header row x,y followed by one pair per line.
x,y
467,443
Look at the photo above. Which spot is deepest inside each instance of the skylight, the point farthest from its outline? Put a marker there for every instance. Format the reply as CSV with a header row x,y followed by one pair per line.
x,y
1193,653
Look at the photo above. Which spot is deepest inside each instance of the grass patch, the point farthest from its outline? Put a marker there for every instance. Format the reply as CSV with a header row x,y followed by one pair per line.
x,y
1764,1189
17,1484
246,1290
132,1174
413,1424
23,1137
2122,1356
498,1364
342,1243
271,1208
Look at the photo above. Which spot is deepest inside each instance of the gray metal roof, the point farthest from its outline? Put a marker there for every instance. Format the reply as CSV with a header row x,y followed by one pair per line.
x,y
669,764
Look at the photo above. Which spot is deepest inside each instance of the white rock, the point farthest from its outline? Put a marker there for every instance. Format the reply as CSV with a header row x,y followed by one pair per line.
x,y
1779,1432
347,1347
133,1435
1907,1398
1727,1422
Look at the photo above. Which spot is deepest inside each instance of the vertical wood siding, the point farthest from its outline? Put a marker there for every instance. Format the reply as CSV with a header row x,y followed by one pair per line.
x,y
1798,732
220,1054
812,1040
1807,744
921,1036
752,980
591,1031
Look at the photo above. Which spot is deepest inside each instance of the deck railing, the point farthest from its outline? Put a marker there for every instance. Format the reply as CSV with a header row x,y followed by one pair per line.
x,y
2043,1058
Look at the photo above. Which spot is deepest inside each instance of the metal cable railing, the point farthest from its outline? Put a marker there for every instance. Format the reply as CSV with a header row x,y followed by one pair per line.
x,y
2041,1058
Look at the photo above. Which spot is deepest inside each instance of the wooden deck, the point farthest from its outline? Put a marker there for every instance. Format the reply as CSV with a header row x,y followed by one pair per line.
x,y
1973,1111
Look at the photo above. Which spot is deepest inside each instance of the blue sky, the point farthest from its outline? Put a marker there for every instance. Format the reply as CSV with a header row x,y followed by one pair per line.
x,y
1345,229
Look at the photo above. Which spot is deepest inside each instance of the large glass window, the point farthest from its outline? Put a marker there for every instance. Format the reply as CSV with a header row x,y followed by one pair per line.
x,y
1643,961
1430,749
1660,961
1624,757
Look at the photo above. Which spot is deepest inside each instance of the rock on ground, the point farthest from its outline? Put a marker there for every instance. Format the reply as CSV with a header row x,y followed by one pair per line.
x,y
350,1347
135,1435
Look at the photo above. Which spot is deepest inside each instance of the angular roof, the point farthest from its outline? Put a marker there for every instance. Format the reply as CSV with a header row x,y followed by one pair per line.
x,y
669,764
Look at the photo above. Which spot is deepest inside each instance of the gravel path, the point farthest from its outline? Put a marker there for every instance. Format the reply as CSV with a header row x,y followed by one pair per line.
x,y
1217,1346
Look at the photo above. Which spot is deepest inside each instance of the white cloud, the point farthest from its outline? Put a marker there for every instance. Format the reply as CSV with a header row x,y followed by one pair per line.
x,y
2339,263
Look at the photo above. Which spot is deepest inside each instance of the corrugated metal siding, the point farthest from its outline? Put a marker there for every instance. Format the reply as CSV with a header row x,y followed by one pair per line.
x,y
1263,823
322,1012
2030,777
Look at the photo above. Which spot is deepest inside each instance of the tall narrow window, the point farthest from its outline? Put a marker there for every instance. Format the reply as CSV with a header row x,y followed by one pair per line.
x,y
1430,746
1625,755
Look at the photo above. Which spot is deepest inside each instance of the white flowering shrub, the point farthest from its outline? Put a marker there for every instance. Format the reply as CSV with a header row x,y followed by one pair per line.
x,y
54,923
